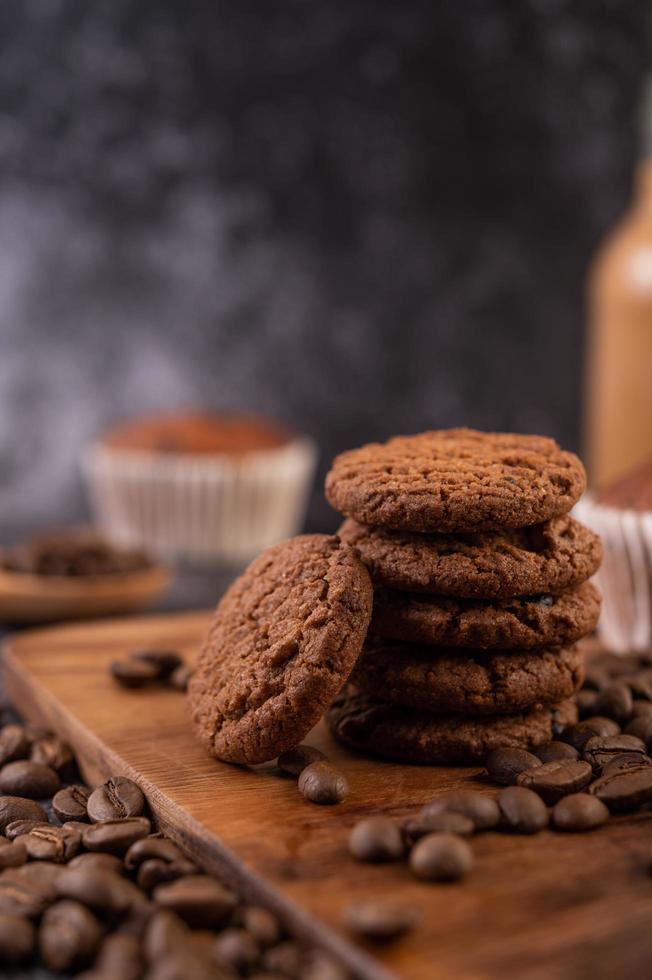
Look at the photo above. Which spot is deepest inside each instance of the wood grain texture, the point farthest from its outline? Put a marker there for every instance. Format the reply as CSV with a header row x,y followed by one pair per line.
x,y
550,906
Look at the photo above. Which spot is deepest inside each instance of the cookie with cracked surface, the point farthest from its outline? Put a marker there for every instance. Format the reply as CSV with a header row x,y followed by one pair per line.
x,y
505,624
283,641
394,732
548,557
469,683
456,480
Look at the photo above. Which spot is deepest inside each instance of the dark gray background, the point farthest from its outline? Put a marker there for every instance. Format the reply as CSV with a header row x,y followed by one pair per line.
x,y
361,217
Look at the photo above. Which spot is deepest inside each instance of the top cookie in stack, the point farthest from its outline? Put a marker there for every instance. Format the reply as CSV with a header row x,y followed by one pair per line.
x,y
481,592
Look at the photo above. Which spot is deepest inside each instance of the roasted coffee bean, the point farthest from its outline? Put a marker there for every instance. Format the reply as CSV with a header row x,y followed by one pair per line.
x,y
48,843
522,810
199,900
641,727
236,950
108,862
23,896
599,751
152,847
295,760
261,923
376,839
579,812
78,825
155,872
50,750
115,836
322,783
180,677
13,744
12,854
628,760
100,890
441,857
319,966
120,957
17,939
586,699
68,936
642,709
615,701
504,765
70,803
14,808
283,960
183,964
555,751
29,779
433,819
552,780
482,810
41,874
117,798
641,686
19,827
164,934
596,727
380,921
624,791
165,661
133,673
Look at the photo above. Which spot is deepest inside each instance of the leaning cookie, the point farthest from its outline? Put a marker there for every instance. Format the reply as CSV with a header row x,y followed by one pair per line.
x,y
550,557
457,681
379,728
283,641
506,624
456,480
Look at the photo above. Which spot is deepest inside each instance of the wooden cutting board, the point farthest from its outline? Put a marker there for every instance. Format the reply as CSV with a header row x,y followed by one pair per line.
x,y
549,906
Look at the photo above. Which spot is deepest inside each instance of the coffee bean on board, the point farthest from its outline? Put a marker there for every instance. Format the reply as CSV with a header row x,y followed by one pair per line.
x,y
579,812
376,840
554,751
295,760
152,847
19,827
504,765
133,673
49,843
30,779
200,901
596,727
96,859
17,938
70,802
599,751
433,819
68,936
118,797
480,808
18,808
628,760
441,857
322,783
115,836
624,791
380,921
522,810
615,701
552,780
165,661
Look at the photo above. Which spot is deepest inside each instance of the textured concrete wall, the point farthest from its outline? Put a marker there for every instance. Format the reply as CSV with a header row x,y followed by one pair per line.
x,y
363,217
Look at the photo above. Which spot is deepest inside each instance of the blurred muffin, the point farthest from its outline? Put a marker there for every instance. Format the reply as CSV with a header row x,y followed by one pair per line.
x,y
622,514
199,485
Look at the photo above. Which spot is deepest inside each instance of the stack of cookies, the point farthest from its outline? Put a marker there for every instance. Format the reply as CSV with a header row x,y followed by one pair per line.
x,y
481,593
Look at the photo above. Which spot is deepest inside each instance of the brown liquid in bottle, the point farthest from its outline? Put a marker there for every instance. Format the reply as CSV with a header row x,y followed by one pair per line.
x,y
618,410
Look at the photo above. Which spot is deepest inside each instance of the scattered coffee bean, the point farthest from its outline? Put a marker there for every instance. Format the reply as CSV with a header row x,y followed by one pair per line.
x,y
23,895
133,673
624,791
641,727
262,924
19,827
119,957
481,809
200,901
13,744
48,843
115,836
522,810
376,839
154,872
322,783
17,938
628,760
282,960
68,936
165,661
295,760
70,803
579,812
599,751
12,854
100,890
91,859
436,819
118,797
615,701
380,921
555,751
14,808
49,750
505,765
579,734
441,857
29,779
165,932
152,847
552,780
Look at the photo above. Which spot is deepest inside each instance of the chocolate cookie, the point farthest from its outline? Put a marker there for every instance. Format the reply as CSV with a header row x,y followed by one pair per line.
x,y
506,624
454,681
394,732
456,480
282,642
548,557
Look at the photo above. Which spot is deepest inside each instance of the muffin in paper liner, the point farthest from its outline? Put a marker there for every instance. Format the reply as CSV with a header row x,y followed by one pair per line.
x,y
204,508
625,577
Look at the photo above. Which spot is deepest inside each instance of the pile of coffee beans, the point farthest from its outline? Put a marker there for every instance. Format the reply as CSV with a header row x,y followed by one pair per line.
x,y
143,668
318,780
87,884
73,555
